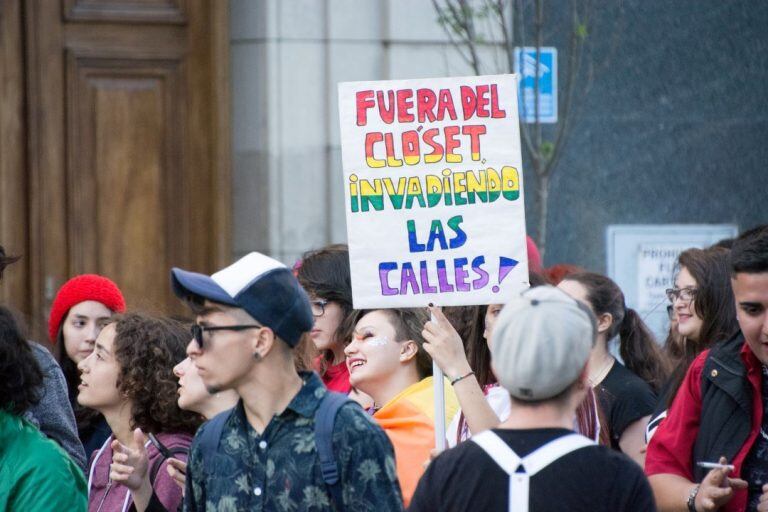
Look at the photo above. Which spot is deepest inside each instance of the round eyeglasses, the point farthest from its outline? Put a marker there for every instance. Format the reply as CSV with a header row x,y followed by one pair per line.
x,y
318,306
686,294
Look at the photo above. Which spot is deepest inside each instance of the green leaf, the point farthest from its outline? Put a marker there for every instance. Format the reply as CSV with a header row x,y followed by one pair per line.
x,y
547,150
581,30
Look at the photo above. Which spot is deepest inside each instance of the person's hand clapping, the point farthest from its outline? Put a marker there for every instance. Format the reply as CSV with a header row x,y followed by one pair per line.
x,y
444,344
717,489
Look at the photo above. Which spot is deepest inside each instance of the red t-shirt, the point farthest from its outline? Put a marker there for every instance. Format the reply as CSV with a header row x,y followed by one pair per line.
x,y
336,377
671,447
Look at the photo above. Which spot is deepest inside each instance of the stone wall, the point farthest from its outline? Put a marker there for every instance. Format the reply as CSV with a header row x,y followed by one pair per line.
x,y
673,128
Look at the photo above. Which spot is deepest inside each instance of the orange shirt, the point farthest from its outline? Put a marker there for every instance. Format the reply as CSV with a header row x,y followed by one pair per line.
x,y
408,420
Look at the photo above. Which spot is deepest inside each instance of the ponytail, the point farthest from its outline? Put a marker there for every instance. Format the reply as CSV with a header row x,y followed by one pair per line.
x,y
591,420
640,352
637,347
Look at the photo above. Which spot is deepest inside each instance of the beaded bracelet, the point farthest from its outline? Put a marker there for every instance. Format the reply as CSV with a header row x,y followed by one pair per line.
x,y
691,503
457,379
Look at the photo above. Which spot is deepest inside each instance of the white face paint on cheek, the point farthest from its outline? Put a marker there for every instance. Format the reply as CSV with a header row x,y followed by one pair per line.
x,y
378,341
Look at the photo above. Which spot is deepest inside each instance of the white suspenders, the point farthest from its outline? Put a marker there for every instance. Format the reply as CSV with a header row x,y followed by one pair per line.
x,y
531,464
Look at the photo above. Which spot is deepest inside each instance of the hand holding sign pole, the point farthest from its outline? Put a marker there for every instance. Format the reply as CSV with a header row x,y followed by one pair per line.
x,y
434,194
439,386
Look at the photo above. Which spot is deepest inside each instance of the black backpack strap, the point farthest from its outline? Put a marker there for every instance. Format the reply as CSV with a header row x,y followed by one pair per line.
x,y
208,440
325,417
159,462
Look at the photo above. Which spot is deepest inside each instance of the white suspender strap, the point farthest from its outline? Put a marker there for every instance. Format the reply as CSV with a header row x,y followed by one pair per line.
x,y
508,460
550,452
519,483
498,450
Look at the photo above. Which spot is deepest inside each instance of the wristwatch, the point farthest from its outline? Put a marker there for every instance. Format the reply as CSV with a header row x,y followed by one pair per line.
x,y
692,499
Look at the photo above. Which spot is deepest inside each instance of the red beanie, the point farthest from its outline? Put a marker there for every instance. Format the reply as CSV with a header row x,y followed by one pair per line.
x,y
80,289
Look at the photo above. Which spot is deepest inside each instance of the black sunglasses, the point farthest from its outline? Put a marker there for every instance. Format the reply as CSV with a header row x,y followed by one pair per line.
x,y
198,330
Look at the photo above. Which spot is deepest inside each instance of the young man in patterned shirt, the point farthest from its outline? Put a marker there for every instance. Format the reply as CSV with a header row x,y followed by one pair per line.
x,y
250,317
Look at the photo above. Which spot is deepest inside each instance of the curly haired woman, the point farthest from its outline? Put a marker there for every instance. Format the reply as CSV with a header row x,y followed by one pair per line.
x,y
129,379
35,474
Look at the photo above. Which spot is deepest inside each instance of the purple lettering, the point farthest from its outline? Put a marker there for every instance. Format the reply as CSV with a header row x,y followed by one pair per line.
x,y
408,277
482,278
442,277
461,274
384,269
425,286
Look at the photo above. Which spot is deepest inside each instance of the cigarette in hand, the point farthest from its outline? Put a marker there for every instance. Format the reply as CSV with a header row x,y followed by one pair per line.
x,y
715,465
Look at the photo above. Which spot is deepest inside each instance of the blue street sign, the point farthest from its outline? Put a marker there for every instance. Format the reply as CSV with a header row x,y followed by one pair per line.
x,y
525,67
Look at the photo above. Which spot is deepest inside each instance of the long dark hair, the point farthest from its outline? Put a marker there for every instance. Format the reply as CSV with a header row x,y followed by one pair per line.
x,y
87,419
20,376
476,348
640,352
325,273
713,303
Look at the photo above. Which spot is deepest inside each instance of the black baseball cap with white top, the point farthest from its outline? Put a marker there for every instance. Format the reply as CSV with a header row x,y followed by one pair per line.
x,y
263,287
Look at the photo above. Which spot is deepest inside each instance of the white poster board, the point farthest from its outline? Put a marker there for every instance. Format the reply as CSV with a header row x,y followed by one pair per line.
x,y
434,191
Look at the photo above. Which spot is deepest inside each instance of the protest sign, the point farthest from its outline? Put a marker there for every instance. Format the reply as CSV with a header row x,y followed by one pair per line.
x,y
434,191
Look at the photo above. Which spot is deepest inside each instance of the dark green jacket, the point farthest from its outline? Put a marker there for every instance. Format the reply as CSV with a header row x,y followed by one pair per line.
x,y
35,473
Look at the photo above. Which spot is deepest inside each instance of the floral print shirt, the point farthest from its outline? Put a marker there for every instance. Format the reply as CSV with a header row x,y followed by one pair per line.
x,y
279,470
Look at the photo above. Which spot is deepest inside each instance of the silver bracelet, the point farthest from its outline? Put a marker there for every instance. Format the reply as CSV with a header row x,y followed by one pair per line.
x,y
457,379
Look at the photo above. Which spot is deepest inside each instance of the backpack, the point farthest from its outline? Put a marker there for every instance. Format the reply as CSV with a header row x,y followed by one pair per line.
x,y
325,418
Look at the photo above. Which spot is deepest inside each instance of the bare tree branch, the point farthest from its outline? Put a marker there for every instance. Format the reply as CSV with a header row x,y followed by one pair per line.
x,y
469,27
458,18
524,129
453,25
539,24
575,52
509,46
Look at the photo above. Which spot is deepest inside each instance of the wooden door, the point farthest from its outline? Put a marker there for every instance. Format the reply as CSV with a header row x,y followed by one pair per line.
x,y
13,206
127,147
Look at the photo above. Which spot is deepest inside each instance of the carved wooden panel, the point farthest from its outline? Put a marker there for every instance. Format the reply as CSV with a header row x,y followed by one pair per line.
x,y
117,11
125,174
125,145
13,203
